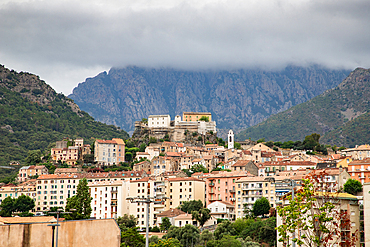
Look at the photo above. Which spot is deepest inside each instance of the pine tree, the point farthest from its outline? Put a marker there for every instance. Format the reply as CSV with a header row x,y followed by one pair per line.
x,y
80,204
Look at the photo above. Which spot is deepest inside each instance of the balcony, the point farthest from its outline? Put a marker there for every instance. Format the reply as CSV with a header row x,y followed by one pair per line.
x,y
232,191
113,204
214,199
211,184
161,184
232,199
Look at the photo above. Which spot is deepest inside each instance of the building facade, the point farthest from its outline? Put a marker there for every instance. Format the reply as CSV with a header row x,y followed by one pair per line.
x,y
109,152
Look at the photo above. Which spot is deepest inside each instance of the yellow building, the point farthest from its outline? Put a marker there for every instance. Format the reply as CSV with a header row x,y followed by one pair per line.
x,y
27,189
195,116
344,162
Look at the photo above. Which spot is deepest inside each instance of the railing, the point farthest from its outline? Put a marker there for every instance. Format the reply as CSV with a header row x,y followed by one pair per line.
x,y
211,184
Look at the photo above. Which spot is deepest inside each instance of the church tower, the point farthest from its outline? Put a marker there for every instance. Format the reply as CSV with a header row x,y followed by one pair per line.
x,y
230,138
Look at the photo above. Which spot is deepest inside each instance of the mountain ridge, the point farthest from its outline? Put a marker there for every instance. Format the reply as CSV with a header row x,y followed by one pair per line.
x,y
335,111
236,98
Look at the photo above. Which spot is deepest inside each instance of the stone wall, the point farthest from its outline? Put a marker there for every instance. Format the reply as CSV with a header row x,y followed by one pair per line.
x,y
79,233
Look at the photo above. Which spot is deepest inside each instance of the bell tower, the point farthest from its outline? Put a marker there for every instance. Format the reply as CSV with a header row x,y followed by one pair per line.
x,y
230,140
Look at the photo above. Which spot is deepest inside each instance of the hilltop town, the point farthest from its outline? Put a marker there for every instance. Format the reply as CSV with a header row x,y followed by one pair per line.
x,y
227,177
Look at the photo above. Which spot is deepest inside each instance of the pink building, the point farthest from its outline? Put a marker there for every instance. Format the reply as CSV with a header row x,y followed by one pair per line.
x,y
222,186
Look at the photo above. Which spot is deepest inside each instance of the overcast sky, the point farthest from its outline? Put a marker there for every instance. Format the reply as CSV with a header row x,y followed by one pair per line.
x,y
64,42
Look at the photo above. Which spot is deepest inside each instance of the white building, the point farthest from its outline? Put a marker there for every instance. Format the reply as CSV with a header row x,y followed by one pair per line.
x,y
109,199
109,152
159,121
222,210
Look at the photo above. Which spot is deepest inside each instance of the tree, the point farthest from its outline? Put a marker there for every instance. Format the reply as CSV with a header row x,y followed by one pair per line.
x,y
225,228
142,147
205,236
7,207
237,145
132,238
248,242
352,186
261,206
188,235
311,142
24,204
128,221
225,241
248,213
239,225
199,168
34,157
81,202
189,206
170,242
315,212
201,216
204,118
166,224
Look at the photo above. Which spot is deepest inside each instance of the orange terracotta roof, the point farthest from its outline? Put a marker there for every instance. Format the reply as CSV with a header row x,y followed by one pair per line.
x,y
173,154
170,213
184,179
106,141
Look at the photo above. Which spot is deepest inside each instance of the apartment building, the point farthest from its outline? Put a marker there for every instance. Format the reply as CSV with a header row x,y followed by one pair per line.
x,y
274,167
15,191
185,189
69,155
177,190
52,190
359,152
109,152
144,188
26,172
222,186
249,190
360,170
161,164
109,199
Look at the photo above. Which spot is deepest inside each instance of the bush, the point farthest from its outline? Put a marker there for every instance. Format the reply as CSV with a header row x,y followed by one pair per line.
x,y
155,229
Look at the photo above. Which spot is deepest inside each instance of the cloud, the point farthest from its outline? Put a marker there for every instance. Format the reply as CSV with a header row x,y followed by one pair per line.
x,y
67,41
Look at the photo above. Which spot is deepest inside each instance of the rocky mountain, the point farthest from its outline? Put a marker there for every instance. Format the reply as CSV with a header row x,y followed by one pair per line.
x,y
33,116
236,98
341,115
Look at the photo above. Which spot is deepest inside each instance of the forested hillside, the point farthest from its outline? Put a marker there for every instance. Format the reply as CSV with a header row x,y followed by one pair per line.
x,y
339,115
33,116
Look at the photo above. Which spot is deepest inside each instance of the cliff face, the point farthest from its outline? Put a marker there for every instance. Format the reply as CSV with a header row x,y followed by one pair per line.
x,y
236,98
340,115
